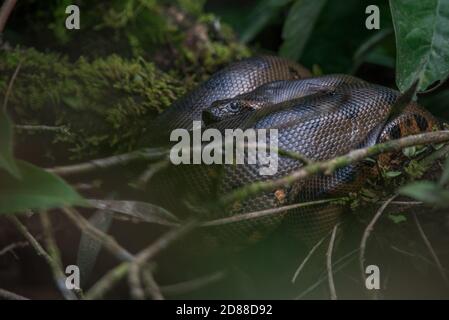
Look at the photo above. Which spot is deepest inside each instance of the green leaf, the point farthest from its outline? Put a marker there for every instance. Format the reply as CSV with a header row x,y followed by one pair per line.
x,y
298,26
37,189
397,218
7,161
422,33
264,12
427,192
340,31
392,174
409,152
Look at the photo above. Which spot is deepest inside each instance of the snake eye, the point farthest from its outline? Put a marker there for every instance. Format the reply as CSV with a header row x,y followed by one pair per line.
x,y
234,106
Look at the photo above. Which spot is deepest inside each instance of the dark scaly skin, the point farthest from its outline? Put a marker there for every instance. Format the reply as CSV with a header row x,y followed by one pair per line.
x,y
320,126
276,92
235,79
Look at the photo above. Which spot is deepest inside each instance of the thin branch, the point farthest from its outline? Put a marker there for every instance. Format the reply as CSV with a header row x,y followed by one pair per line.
x,y
369,228
8,295
329,166
109,162
42,128
148,253
266,212
309,255
55,255
414,255
11,84
109,242
146,176
151,287
431,250
5,11
338,268
107,282
59,275
103,285
330,275
13,246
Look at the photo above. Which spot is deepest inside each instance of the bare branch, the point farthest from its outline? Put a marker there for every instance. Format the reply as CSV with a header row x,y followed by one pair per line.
x,y
329,166
58,274
330,275
109,162
303,263
109,242
11,84
5,11
7,295
431,250
369,228
53,252
266,212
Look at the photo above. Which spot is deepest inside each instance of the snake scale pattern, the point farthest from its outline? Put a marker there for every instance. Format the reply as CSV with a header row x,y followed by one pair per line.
x,y
318,117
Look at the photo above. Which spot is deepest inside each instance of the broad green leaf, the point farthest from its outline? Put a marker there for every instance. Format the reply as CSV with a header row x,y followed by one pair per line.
x,y
427,192
340,31
409,152
37,189
264,12
298,26
422,33
7,161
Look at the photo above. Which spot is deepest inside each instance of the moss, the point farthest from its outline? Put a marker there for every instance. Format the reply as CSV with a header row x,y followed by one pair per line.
x,y
106,104
107,81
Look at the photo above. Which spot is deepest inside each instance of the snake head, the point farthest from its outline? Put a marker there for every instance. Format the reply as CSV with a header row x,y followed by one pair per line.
x,y
224,109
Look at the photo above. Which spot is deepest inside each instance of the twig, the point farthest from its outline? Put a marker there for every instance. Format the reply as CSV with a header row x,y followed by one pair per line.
x,y
5,11
100,288
329,166
109,242
414,255
324,278
13,246
109,162
135,282
303,263
55,255
367,233
431,250
11,83
148,253
108,281
150,172
8,295
151,287
55,267
330,275
42,128
266,212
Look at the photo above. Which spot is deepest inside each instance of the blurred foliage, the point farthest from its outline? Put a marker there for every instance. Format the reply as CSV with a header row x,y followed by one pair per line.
x,y
36,189
422,33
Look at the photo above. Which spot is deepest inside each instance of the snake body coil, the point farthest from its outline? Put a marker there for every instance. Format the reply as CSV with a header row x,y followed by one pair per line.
x,y
320,118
